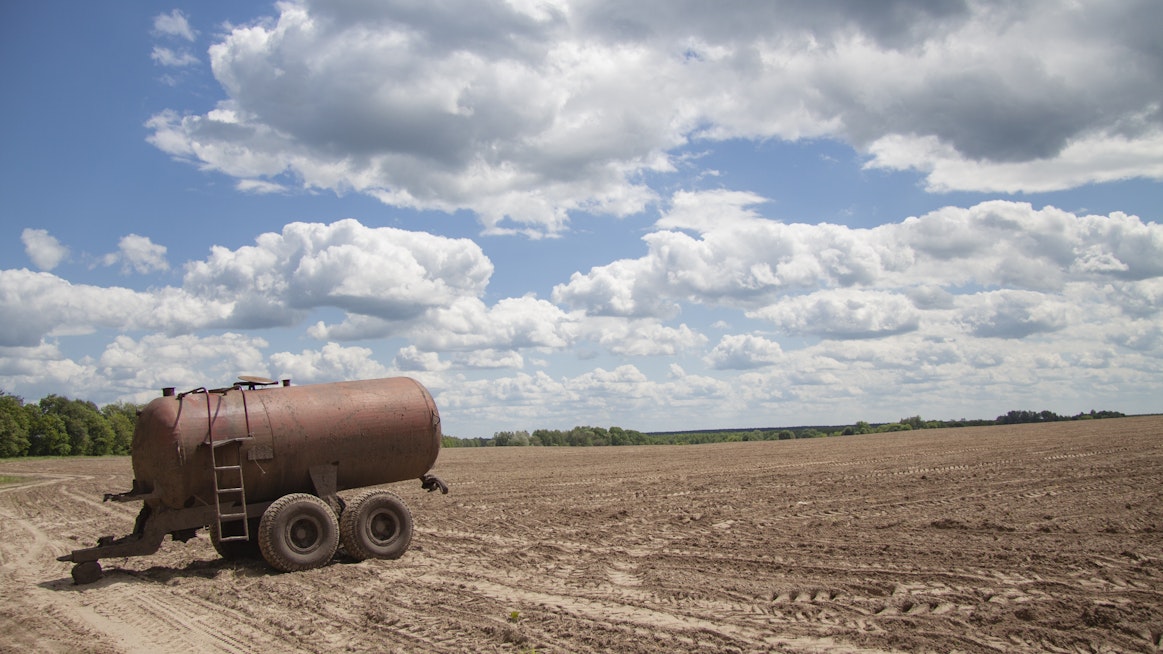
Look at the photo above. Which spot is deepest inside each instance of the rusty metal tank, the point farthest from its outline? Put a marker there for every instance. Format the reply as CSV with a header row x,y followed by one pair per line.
x,y
365,432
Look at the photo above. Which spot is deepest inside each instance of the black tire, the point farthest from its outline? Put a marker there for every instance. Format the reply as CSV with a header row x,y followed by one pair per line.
x,y
87,572
298,532
376,525
233,550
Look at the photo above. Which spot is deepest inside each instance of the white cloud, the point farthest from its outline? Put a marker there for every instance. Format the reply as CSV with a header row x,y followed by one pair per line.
x,y
45,251
744,351
1013,314
1094,158
174,24
259,187
754,264
468,324
168,57
34,305
138,253
525,116
333,362
616,290
640,337
411,358
490,359
184,361
384,273
842,313
382,276
43,365
1000,297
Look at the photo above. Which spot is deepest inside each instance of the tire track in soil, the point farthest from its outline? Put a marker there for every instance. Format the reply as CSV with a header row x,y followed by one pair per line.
x,y
732,626
741,621
117,613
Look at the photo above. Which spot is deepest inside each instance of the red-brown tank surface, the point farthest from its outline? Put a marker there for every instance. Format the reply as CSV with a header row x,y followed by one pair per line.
x,y
373,432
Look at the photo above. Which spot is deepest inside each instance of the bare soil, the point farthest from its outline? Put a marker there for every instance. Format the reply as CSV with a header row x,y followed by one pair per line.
x,y
1038,538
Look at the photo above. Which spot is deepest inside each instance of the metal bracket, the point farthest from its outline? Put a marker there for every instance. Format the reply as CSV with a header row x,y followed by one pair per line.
x,y
432,482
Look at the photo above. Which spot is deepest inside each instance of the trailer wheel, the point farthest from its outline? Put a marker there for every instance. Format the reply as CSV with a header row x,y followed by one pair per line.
x,y
232,550
376,525
86,572
298,532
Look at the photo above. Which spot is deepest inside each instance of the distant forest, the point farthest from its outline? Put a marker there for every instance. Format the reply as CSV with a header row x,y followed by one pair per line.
x,y
590,436
58,426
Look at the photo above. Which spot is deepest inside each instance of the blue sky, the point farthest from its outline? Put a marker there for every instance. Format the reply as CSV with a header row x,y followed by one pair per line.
x,y
643,214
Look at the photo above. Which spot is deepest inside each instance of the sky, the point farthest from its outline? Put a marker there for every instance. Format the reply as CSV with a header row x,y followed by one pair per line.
x,y
660,215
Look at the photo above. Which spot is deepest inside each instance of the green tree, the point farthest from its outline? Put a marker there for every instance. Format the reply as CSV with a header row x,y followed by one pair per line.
x,y
73,419
101,435
549,437
14,424
514,438
915,422
88,431
122,417
47,434
896,426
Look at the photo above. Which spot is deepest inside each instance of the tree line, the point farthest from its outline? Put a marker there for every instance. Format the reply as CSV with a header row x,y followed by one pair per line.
x,y
582,436
58,426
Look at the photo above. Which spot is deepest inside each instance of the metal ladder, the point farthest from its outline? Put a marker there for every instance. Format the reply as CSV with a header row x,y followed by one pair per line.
x,y
229,488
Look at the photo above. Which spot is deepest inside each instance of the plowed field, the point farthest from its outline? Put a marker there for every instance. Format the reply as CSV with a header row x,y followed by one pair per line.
x,y
1040,538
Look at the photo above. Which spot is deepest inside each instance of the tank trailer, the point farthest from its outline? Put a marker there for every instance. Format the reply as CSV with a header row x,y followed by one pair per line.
x,y
261,464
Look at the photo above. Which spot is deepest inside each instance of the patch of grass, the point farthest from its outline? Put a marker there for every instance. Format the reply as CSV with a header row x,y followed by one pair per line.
x,y
9,479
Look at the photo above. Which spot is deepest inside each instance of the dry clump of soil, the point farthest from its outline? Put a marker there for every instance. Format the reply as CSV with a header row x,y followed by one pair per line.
x,y
1039,538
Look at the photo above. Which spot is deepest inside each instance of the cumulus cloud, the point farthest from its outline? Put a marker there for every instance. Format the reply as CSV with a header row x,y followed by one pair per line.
x,y
642,337
1012,244
528,113
174,25
382,273
1013,314
744,351
779,271
843,313
383,276
331,362
1000,296
139,254
411,358
742,261
185,361
468,324
44,364
45,251
35,305
490,359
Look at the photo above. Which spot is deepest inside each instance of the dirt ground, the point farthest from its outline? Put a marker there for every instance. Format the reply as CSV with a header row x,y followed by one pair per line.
x,y
1039,538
